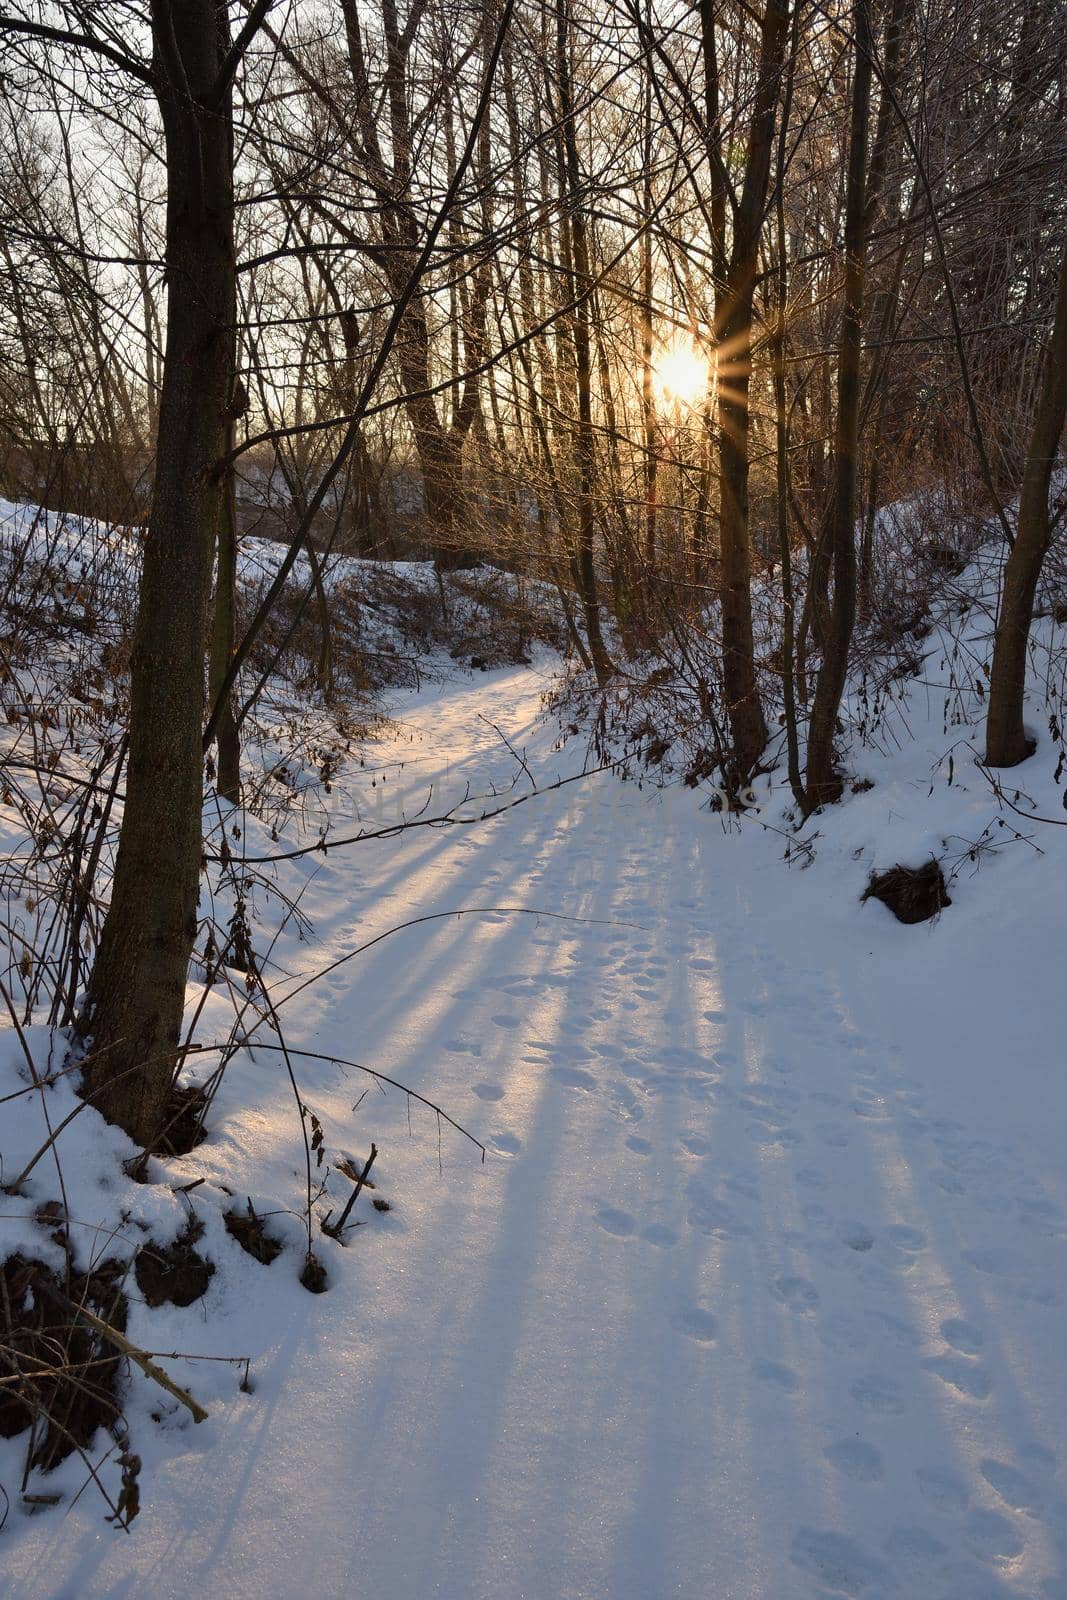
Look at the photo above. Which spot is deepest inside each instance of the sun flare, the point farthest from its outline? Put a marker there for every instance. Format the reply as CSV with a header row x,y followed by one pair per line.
x,y
681,373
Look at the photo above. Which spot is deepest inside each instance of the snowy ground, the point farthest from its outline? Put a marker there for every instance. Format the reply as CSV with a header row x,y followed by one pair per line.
x,y
760,1289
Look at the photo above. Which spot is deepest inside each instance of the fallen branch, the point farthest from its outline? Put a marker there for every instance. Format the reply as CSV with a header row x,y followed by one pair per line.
x,y
140,1359
336,1229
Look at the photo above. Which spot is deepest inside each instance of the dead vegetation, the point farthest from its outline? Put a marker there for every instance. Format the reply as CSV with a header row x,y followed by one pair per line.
x,y
912,894
61,1378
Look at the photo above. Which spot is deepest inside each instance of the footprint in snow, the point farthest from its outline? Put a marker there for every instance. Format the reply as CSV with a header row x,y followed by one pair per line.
x,y
962,1336
1013,1486
696,1324
796,1293
912,1551
874,1109
837,1561
812,1178
620,1223
776,1375
843,1331
487,1091
900,1332
857,1237
573,1077
878,1394
943,1489
961,1374
908,1239
856,1459
1038,1457
992,1537
506,1144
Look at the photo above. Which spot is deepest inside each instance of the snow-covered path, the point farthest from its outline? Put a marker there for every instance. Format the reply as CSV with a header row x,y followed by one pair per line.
x,y
759,1293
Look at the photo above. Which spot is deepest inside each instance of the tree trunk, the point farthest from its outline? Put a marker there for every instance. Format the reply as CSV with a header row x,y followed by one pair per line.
x,y
748,729
736,272
823,784
224,632
585,439
132,1019
1006,740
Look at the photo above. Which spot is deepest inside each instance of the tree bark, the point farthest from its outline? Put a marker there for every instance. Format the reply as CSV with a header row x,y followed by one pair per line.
x,y
585,438
736,272
823,783
1006,741
132,1018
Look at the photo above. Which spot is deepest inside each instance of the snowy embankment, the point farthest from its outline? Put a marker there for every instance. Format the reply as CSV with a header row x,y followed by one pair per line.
x,y
760,1290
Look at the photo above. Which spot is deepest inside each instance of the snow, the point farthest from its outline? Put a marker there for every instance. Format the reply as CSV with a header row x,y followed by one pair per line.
x,y
759,1290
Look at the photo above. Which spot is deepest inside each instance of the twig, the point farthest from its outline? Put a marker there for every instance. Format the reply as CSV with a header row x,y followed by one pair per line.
x,y
336,1230
140,1359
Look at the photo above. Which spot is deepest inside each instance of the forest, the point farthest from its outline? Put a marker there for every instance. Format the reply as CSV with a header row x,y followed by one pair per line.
x,y
533,690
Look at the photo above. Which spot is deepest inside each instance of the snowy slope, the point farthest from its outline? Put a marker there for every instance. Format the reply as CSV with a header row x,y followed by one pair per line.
x,y
760,1290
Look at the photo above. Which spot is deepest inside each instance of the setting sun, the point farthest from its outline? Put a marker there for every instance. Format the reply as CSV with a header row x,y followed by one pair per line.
x,y
681,373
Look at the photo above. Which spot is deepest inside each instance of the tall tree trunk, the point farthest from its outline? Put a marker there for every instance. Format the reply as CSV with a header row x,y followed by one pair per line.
x,y
823,783
581,282
748,729
132,1018
648,399
736,272
781,432
224,640
1006,740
